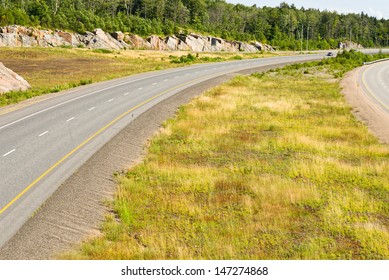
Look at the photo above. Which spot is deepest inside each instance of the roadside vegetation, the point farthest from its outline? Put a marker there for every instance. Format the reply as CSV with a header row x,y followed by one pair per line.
x,y
56,69
284,27
269,166
345,61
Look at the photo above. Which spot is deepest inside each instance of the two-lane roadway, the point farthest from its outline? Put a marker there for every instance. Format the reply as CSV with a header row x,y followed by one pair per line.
x,y
374,80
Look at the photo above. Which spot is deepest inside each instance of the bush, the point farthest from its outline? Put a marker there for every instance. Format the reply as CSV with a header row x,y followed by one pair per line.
x,y
184,59
102,51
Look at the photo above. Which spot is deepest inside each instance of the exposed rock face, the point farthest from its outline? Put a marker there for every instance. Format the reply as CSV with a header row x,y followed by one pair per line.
x,y
245,47
173,43
118,35
69,38
349,45
19,36
195,43
263,47
137,42
101,40
157,43
9,80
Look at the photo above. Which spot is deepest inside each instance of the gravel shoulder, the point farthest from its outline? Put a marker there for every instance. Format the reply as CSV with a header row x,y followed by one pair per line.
x,y
364,108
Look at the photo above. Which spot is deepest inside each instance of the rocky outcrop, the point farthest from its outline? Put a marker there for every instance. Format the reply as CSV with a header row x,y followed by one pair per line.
x,y
157,43
173,43
263,47
137,42
349,45
118,35
101,40
19,36
245,47
200,43
9,80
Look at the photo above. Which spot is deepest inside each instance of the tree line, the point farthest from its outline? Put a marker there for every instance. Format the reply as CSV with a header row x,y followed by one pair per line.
x,y
285,26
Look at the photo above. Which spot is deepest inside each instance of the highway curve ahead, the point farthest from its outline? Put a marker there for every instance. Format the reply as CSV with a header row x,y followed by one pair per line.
x,y
43,144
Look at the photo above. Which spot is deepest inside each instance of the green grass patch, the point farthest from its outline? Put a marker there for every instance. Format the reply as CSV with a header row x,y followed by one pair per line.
x,y
263,167
103,51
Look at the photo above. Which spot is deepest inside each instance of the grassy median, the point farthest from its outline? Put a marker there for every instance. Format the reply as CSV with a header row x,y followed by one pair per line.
x,y
270,166
55,69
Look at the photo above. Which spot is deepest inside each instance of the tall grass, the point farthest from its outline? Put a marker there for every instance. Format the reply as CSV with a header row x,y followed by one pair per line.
x,y
264,167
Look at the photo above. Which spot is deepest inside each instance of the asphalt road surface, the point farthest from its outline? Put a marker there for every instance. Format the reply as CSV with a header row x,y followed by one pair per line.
x,y
43,144
375,83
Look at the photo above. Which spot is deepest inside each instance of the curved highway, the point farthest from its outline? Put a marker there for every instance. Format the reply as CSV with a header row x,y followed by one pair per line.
x,y
45,143
374,81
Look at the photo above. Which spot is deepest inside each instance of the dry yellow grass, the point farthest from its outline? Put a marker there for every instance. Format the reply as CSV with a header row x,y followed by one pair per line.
x,y
263,167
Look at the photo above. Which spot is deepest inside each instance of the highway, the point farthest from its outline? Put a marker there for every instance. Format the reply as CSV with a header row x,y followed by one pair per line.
x,y
43,144
374,81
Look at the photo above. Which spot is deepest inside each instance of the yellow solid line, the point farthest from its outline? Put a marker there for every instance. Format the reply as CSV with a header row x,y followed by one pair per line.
x,y
16,198
370,92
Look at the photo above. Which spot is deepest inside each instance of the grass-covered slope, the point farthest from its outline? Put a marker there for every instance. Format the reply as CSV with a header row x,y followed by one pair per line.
x,y
271,166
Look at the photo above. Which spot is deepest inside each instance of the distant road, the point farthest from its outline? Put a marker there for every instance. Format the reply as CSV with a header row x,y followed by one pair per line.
x,y
374,81
43,144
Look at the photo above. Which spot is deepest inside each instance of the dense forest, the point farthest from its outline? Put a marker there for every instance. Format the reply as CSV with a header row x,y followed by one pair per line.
x,y
285,27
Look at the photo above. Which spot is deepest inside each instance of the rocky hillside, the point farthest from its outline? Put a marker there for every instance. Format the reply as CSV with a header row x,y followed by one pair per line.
x,y
9,80
19,36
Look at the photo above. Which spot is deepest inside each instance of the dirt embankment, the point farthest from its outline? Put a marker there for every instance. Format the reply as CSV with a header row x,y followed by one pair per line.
x,y
364,108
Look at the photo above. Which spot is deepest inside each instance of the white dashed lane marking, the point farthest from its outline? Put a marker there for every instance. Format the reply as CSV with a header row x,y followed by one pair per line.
x,y
69,120
44,133
10,152
111,100
90,109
